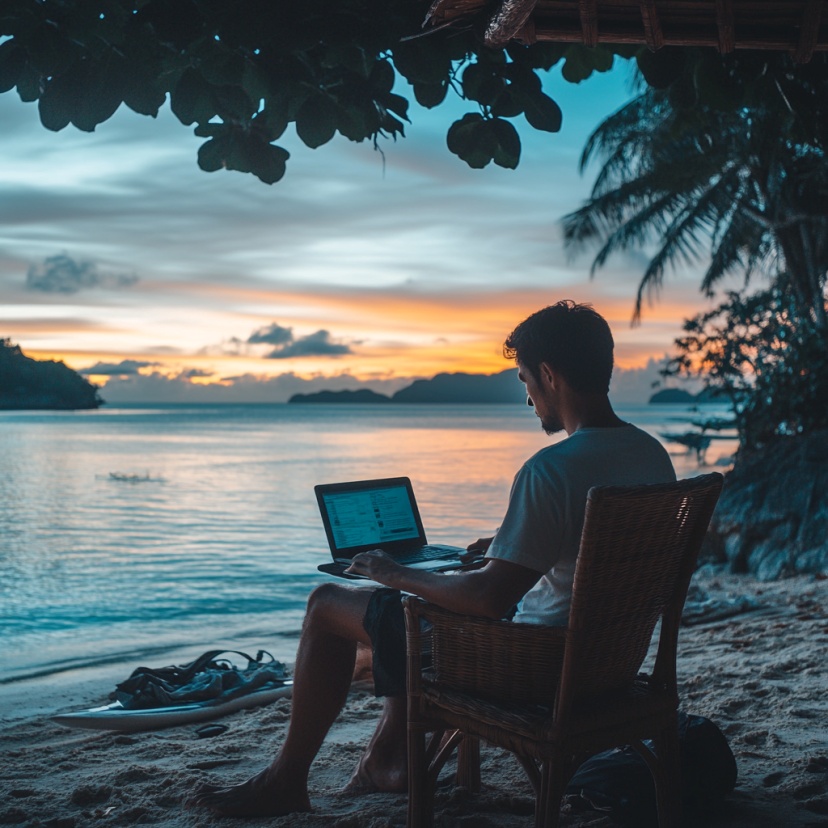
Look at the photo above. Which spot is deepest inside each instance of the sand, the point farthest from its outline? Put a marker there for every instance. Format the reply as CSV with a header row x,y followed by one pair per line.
x,y
761,675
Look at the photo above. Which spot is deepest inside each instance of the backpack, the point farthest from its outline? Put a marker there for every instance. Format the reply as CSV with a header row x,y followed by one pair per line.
x,y
618,782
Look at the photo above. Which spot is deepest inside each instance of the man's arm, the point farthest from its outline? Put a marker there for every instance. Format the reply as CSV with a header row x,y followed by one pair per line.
x,y
490,591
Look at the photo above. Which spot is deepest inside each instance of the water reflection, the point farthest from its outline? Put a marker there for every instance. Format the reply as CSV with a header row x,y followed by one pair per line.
x,y
227,524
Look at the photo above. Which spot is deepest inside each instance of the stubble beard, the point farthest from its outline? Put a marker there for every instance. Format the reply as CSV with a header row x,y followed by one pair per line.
x,y
551,424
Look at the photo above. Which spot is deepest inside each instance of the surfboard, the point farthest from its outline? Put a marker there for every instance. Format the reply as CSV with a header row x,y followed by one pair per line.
x,y
115,717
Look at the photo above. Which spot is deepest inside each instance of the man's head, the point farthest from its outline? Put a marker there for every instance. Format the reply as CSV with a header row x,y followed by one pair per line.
x,y
573,339
570,340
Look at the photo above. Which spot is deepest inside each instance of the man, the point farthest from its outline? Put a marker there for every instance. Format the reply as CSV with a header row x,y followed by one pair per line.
x,y
564,357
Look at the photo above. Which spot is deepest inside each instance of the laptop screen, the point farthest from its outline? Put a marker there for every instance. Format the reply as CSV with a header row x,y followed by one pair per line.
x,y
371,516
368,514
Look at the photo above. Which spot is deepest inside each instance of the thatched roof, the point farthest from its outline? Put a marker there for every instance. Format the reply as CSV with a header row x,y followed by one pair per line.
x,y
797,26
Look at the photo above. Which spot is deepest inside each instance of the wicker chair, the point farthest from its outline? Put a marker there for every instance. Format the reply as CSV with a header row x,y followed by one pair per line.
x,y
556,695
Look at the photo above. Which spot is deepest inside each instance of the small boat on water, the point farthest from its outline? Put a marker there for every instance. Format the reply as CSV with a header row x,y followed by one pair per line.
x,y
123,477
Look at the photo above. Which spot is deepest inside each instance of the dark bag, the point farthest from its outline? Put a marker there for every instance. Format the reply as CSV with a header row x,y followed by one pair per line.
x,y
618,782
208,678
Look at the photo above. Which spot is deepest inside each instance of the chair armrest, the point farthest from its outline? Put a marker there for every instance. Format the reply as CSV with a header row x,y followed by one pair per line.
x,y
490,659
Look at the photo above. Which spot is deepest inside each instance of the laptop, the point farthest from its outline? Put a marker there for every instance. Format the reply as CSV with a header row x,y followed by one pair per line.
x,y
379,514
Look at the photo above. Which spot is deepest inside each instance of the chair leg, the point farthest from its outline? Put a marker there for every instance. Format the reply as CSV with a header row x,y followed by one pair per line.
x,y
420,793
548,801
468,763
668,778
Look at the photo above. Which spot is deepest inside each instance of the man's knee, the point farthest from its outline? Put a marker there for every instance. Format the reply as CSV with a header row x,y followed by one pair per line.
x,y
323,598
335,607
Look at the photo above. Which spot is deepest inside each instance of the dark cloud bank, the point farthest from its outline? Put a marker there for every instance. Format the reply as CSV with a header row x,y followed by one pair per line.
x,y
289,347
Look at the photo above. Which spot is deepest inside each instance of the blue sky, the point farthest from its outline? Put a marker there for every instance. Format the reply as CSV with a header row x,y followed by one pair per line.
x,y
117,254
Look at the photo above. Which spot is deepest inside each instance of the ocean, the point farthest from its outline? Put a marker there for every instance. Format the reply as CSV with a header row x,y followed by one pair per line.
x,y
129,534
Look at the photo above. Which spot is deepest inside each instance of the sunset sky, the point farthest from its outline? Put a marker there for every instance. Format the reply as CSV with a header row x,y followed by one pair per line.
x,y
119,255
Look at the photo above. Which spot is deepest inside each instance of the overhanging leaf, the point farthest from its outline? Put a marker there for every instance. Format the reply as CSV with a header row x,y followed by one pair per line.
x,y
213,153
316,121
542,112
103,86
192,99
12,63
582,61
430,95
507,153
663,67
471,139
54,105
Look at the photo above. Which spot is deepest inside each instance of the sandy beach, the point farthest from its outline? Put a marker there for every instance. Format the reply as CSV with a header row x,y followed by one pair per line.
x,y
760,674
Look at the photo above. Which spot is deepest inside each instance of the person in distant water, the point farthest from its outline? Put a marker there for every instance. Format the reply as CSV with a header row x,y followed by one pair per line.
x,y
564,354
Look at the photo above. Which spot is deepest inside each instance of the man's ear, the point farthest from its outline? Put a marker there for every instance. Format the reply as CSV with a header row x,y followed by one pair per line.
x,y
548,375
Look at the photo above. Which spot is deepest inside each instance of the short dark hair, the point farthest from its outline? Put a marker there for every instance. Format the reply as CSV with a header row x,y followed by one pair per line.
x,y
574,339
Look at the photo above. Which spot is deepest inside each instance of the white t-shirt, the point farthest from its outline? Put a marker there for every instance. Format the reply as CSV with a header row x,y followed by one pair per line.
x,y
543,523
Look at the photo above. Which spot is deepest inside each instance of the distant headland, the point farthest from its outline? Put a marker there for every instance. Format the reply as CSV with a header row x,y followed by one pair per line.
x,y
442,388
679,395
502,387
30,384
362,395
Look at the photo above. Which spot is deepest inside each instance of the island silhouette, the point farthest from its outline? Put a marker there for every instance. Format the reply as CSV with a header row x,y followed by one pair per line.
x,y
31,384
502,387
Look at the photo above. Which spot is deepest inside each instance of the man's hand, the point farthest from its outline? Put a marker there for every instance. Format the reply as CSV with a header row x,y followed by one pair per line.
x,y
374,564
476,549
489,590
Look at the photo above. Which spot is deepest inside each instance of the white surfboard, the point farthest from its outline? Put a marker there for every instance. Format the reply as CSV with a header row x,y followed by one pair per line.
x,y
115,717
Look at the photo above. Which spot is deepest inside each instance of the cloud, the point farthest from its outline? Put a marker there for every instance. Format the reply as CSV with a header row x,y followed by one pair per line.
x,y
287,346
228,347
127,367
315,344
62,274
290,347
273,334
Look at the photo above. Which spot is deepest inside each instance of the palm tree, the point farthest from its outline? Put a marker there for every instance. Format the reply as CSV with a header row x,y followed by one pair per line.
x,y
735,170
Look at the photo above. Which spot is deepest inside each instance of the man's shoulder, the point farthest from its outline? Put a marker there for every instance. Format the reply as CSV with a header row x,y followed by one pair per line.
x,y
585,448
586,440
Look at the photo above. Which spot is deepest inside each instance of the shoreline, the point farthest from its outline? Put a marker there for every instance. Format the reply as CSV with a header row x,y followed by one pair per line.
x,y
760,675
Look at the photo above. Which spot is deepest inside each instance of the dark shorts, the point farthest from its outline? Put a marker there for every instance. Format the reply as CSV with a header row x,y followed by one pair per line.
x,y
384,622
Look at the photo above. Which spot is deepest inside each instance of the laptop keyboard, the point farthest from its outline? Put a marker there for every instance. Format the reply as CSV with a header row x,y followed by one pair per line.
x,y
429,553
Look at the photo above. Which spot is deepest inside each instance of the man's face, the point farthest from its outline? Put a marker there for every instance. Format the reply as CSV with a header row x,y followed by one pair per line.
x,y
541,397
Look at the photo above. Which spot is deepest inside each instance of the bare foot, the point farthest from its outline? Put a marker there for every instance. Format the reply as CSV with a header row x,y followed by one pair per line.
x,y
259,796
375,777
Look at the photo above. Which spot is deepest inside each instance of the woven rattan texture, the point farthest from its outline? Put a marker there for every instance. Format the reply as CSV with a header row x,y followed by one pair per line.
x,y
612,621
483,656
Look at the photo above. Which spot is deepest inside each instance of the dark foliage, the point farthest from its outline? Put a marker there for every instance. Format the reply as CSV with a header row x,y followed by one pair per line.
x,y
242,72
724,161
26,383
728,161
769,362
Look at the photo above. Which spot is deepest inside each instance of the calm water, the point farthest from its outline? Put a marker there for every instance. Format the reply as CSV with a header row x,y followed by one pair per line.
x,y
220,545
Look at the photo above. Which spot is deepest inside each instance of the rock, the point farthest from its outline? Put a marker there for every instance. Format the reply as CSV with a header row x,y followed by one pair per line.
x,y
772,517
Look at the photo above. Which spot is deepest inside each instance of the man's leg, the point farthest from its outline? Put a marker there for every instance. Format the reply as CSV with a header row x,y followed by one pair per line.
x,y
324,668
384,765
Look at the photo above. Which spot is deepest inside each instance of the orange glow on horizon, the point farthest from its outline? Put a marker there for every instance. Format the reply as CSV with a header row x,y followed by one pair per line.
x,y
390,334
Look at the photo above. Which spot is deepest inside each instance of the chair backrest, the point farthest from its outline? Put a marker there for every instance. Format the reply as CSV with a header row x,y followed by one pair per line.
x,y
638,551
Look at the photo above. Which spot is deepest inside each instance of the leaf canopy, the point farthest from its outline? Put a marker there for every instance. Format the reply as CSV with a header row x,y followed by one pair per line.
x,y
254,67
